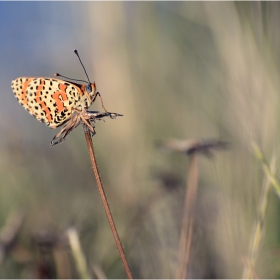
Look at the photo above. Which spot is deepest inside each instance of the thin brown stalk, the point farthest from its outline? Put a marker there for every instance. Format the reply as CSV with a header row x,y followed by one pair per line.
x,y
105,202
188,250
187,223
192,148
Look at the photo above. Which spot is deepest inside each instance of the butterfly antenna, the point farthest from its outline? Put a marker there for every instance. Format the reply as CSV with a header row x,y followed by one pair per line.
x,y
76,52
58,75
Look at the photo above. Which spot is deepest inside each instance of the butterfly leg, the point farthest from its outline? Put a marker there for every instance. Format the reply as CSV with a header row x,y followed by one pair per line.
x,y
87,118
102,104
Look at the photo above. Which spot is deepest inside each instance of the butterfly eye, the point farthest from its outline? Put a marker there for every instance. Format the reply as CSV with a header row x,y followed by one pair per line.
x,y
89,89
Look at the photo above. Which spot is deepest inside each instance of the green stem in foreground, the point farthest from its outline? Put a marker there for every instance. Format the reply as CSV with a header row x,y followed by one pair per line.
x,y
272,178
77,253
257,236
105,202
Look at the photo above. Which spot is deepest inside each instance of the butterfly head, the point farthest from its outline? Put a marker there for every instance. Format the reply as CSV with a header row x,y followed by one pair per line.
x,y
89,94
89,89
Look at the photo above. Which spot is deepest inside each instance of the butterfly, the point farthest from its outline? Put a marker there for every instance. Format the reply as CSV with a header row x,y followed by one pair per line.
x,y
56,102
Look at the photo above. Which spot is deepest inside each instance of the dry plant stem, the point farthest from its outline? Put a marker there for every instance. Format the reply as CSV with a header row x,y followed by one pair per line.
x,y
188,250
187,223
105,202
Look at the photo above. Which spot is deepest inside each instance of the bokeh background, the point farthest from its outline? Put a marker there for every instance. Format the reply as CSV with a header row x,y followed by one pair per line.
x,y
182,70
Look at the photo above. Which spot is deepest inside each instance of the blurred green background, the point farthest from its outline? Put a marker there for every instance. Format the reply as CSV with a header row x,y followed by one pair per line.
x,y
183,70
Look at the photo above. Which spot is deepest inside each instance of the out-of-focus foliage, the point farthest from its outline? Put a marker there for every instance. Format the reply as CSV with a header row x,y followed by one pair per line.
x,y
184,70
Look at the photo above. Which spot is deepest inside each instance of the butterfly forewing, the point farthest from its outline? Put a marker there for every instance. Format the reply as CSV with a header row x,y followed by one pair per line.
x,y
51,101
